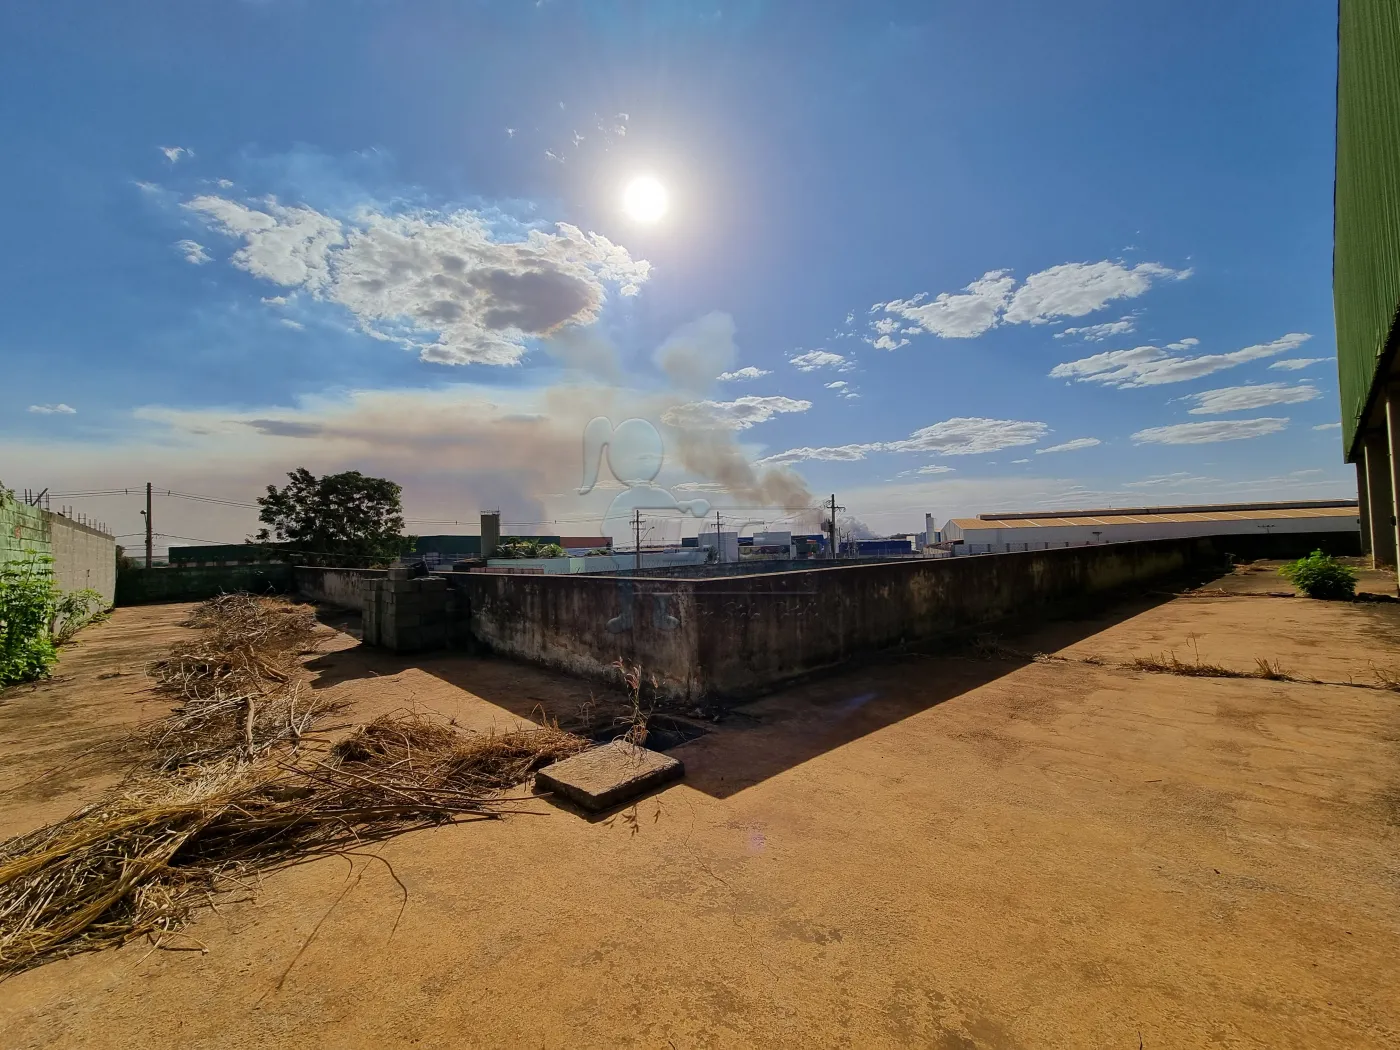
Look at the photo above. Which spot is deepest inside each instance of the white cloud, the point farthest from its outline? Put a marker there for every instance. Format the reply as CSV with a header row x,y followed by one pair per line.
x,y
295,325
224,184
1292,364
971,435
438,283
962,315
1015,461
740,374
1184,344
835,454
842,388
1066,290
1070,446
886,342
275,300
739,414
175,154
1076,289
840,384
1095,332
814,359
1328,426
1153,366
1239,398
934,468
193,252
53,410
1209,431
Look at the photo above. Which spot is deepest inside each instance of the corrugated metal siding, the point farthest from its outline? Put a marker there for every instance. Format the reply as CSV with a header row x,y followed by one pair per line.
x,y
1366,255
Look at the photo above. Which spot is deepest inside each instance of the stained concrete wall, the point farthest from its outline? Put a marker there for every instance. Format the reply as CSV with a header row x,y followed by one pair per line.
x,y
755,631
739,635
340,587
585,624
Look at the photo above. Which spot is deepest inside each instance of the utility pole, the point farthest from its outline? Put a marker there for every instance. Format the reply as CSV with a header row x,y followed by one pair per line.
x,y
834,540
148,525
719,541
637,533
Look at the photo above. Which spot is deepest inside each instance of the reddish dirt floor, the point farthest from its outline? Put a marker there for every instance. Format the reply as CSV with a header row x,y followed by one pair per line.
x,y
983,850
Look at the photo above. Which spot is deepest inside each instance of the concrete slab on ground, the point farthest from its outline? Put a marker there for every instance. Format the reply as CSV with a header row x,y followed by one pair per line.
x,y
607,776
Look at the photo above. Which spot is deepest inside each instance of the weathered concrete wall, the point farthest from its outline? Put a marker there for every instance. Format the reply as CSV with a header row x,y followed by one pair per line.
x,y
82,557
340,587
585,624
755,631
195,583
739,635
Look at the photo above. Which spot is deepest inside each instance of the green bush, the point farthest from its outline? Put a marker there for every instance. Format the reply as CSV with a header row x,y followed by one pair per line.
x,y
1321,576
27,598
36,617
74,611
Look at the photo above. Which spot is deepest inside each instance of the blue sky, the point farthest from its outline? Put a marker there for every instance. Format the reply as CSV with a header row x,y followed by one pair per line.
x,y
1151,183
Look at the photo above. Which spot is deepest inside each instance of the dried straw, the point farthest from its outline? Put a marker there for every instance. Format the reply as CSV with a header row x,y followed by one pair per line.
x,y
139,861
238,683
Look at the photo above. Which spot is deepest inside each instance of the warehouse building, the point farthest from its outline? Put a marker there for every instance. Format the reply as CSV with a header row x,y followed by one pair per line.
x,y
1040,530
1366,260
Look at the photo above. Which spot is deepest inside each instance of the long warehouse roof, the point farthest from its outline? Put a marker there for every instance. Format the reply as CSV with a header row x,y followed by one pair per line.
x,y
1132,517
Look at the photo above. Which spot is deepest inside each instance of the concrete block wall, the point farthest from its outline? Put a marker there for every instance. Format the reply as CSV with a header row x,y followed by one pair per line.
x,y
22,528
406,615
82,557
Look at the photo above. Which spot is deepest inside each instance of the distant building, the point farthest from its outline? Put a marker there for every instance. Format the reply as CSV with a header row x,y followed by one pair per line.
x,y
727,542
1001,533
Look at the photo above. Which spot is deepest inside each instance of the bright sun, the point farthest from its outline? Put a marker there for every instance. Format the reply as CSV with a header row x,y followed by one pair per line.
x,y
644,199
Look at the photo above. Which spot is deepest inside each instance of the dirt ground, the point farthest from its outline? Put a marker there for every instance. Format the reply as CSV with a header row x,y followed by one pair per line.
x,y
945,852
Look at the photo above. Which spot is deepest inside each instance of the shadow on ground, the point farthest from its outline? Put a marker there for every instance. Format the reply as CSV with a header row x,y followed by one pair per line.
x,y
746,743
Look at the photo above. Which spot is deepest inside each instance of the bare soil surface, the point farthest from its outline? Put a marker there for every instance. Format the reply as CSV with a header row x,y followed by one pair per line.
x,y
943,852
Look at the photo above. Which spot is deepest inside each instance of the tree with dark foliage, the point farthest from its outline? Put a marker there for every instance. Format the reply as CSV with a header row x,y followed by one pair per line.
x,y
339,519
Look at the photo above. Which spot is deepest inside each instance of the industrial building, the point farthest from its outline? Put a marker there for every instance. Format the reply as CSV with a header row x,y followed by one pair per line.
x,y
1041,530
1366,260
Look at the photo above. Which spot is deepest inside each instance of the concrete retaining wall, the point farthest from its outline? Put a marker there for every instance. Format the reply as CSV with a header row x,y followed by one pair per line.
x,y
340,587
585,624
755,631
739,635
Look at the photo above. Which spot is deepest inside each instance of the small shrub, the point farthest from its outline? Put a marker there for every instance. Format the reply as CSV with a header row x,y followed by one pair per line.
x,y
72,612
1321,576
27,597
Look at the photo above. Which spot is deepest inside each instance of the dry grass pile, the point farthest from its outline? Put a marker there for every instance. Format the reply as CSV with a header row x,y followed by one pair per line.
x,y
140,860
237,683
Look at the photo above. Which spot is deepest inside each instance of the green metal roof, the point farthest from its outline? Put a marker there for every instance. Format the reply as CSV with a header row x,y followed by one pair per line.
x,y
1366,252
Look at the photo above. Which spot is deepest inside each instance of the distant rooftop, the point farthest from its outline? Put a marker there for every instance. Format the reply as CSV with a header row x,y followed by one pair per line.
x,y
1317,508
1198,508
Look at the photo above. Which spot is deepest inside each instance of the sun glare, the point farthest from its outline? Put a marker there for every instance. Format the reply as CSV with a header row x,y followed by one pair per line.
x,y
644,199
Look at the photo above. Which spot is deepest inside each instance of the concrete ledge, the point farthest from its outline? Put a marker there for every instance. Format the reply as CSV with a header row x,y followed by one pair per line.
x,y
606,776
